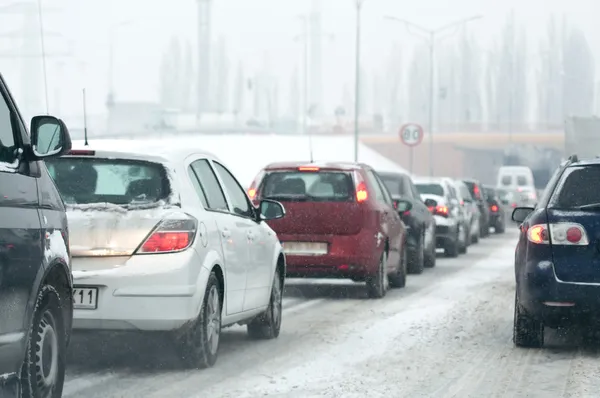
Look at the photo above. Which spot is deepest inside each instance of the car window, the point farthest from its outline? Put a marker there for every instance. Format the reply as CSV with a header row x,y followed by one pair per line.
x,y
394,185
521,181
430,189
237,195
310,186
506,180
407,187
198,188
579,187
85,180
375,185
212,188
414,190
464,192
7,138
386,194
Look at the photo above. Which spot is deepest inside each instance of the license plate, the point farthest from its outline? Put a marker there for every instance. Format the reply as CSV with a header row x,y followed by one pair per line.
x,y
85,298
305,248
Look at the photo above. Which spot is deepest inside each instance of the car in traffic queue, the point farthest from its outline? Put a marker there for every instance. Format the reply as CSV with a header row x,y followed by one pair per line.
x,y
450,234
519,178
340,222
36,290
419,221
557,262
496,208
473,213
164,239
476,190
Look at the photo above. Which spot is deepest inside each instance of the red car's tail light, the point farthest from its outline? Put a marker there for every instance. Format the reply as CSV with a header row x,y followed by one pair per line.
x,y
308,168
171,235
494,208
361,192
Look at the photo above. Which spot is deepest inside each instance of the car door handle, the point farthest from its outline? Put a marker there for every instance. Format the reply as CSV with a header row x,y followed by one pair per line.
x,y
251,236
226,233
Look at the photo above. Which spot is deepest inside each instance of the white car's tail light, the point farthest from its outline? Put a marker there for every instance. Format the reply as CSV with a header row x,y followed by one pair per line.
x,y
169,236
571,234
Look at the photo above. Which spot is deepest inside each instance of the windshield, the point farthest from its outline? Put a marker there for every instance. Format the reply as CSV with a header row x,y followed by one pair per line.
x,y
430,189
323,186
119,182
579,188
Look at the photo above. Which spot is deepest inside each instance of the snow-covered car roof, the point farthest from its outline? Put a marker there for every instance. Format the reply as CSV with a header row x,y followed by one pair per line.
x,y
156,150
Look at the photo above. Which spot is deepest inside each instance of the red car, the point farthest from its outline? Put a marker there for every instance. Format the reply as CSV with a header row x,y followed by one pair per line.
x,y
340,222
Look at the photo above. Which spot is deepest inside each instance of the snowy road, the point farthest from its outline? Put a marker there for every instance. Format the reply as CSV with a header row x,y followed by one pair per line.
x,y
447,334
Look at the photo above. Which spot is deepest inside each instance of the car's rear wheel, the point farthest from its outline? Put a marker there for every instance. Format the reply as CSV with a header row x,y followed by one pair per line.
x,y
398,279
378,284
268,325
430,256
527,331
43,373
462,249
500,228
451,248
417,258
199,343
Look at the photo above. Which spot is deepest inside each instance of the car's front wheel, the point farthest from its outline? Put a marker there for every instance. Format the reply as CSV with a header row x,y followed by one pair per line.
x,y
268,324
199,342
43,372
527,331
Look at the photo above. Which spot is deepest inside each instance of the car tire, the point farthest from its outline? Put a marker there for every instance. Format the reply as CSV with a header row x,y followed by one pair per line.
x,y
268,325
199,342
431,255
500,228
462,249
398,280
416,263
451,249
378,284
43,372
528,332
485,230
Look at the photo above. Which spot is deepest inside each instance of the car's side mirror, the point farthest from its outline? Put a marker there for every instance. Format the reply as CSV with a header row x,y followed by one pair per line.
x,y
430,203
270,210
49,137
519,214
402,205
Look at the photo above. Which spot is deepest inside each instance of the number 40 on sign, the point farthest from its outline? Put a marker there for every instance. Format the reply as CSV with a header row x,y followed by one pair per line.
x,y
411,134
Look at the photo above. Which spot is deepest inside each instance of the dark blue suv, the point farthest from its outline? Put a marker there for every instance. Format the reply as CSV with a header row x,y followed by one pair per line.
x,y
36,290
557,259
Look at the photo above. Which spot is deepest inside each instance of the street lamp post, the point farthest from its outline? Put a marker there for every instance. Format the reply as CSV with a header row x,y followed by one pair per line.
x,y
431,35
359,4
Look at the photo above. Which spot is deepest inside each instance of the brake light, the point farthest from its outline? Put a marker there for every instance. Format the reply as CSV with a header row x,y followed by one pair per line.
x,y
494,208
82,152
568,234
171,235
252,193
361,192
476,191
308,168
441,211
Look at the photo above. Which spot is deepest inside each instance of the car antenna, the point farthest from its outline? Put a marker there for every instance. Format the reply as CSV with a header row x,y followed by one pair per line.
x,y
85,137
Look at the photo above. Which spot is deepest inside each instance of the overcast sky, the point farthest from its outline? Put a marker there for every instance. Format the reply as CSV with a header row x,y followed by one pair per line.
x,y
253,28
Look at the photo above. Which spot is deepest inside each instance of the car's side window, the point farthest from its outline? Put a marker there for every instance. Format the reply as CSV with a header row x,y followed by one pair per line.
x,y
198,188
386,193
408,191
7,138
210,184
375,184
239,200
414,190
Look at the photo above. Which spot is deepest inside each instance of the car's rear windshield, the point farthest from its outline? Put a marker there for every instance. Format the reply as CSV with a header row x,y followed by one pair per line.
x,y
522,181
394,185
430,188
321,186
116,181
580,187
506,180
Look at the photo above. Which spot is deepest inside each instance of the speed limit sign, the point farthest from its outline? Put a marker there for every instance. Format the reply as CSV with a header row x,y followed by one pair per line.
x,y
411,134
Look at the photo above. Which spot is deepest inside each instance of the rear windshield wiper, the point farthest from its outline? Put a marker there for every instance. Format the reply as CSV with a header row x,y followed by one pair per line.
x,y
591,206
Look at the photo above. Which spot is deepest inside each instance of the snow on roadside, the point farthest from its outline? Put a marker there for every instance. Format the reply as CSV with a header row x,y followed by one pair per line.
x,y
351,360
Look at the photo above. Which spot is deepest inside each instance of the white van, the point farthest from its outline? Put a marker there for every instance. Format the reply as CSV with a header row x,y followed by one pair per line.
x,y
517,178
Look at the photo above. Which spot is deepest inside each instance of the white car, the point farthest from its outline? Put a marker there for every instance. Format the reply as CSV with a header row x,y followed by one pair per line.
x,y
166,239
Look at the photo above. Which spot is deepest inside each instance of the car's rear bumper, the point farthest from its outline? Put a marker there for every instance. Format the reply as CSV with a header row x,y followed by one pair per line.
x,y
349,256
554,301
158,292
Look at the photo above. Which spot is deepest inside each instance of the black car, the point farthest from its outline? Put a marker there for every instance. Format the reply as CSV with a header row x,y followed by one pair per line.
x,y
557,259
36,297
496,210
419,221
478,194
